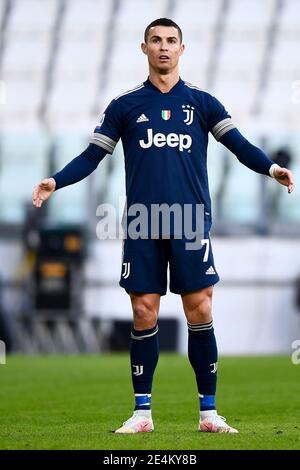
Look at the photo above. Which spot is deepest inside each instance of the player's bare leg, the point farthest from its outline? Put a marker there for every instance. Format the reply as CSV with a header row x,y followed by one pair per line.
x,y
145,308
203,356
144,356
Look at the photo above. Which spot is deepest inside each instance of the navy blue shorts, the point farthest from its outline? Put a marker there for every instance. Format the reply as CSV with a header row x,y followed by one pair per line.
x,y
145,266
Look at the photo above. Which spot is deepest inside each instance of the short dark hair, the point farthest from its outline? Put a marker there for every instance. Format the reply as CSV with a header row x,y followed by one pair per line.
x,y
162,22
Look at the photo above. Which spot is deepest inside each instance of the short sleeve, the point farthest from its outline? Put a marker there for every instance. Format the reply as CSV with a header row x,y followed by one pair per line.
x,y
219,121
108,130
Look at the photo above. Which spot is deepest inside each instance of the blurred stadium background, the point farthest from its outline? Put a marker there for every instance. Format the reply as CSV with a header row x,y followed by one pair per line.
x,y
61,62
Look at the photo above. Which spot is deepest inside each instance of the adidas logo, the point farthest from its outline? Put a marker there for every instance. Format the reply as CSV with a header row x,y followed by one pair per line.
x,y
142,118
210,270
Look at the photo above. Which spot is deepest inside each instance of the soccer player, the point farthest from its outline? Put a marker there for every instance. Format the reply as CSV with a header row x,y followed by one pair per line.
x,y
164,125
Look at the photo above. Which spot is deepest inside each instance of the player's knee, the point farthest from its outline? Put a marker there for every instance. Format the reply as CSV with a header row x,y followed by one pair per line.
x,y
144,315
202,312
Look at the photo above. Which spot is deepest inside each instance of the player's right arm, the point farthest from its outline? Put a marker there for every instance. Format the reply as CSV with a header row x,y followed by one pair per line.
x,y
78,169
103,141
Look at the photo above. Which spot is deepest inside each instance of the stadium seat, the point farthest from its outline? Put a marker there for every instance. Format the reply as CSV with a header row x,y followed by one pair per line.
x,y
133,17
288,205
195,71
71,205
240,60
86,19
23,67
242,194
32,19
249,18
278,99
2,5
198,35
285,62
116,189
237,96
76,75
198,18
215,156
131,22
289,19
134,71
23,101
239,193
71,102
20,171
78,60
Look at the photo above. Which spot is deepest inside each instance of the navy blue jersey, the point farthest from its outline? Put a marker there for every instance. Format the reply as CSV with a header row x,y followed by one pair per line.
x,y
164,137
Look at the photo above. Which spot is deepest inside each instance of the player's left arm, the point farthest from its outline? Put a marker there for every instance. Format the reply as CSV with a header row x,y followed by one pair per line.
x,y
255,159
223,129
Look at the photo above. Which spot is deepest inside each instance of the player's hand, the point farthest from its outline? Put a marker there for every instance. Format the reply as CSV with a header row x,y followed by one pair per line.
x,y
284,177
43,191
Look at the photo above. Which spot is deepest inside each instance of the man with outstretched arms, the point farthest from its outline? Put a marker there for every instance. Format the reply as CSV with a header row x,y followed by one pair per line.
x,y
164,125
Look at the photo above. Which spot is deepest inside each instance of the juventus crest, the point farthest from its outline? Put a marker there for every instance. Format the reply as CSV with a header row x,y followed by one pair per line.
x,y
137,370
126,272
189,111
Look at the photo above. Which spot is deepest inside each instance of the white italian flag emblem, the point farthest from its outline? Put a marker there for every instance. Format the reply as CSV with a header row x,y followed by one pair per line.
x,y
166,114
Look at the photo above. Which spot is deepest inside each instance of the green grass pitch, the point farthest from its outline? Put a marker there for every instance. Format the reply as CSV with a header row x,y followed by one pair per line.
x,y
75,402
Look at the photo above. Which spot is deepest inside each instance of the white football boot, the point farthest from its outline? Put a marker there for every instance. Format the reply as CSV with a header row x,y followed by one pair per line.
x,y
210,421
137,423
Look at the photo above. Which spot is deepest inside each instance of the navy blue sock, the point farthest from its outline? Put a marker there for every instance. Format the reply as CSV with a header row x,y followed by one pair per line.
x,y
203,356
144,352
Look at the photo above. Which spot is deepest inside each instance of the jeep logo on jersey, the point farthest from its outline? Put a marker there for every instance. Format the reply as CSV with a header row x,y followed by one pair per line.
x,y
183,141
